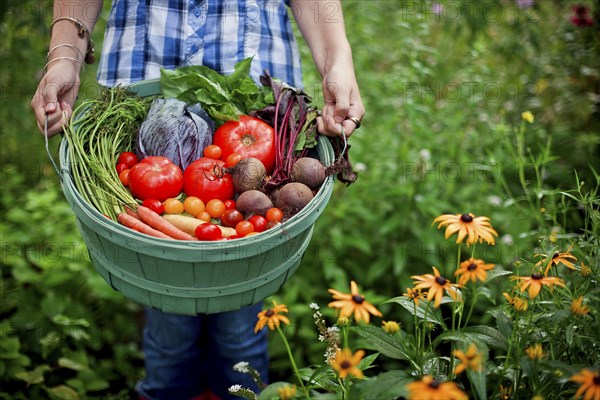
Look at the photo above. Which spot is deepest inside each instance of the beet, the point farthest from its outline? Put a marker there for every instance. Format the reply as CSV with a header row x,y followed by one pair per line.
x,y
292,197
253,202
309,171
248,174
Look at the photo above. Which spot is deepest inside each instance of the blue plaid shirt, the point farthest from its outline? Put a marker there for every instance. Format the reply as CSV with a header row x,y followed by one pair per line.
x,y
143,36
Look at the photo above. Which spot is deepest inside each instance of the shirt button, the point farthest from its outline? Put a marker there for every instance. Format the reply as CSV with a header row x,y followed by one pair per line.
x,y
194,48
197,11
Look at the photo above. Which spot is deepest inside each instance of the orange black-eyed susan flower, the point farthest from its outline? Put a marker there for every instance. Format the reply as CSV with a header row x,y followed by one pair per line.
x,y
414,294
471,359
432,389
535,282
472,270
517,302
272,317
390,326
578,308
558,258
345,363
436,284
475,229
535,351
353,303
286,392
590,384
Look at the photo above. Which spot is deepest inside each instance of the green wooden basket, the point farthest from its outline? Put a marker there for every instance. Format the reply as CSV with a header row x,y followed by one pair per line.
x,y
193,278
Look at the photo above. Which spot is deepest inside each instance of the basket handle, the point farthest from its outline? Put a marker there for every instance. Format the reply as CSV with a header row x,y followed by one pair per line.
x,y
47,148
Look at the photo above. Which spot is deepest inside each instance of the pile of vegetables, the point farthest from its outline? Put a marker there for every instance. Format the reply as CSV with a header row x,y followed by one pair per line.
x,y
214,157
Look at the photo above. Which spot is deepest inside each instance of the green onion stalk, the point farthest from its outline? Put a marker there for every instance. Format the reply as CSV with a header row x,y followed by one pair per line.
x,y
99,130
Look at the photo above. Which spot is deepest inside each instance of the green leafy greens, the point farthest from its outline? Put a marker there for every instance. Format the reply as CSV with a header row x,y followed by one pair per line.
x,y
223,97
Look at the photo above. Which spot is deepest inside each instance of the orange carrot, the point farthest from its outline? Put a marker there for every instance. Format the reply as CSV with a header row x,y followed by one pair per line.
x,y
155,221
137,225
132,212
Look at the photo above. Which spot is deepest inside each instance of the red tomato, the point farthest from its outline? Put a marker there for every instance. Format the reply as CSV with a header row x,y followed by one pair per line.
x,y
259,222
155,205
122,167
212,151
205,179
243,228
155,177
124,177
208,231
231,217
233,159
274,214
250,137
127,158
229,204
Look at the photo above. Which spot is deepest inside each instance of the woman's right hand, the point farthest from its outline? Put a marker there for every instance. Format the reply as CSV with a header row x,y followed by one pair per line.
x,y
55,95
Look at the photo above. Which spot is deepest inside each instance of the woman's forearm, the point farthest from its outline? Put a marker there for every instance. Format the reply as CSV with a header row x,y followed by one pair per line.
x,y
321,23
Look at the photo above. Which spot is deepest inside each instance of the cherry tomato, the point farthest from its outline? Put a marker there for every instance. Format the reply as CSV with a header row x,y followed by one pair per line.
x,y
155,177
244,227
204,216
122,166
193,205
250,137
233,159
128,158
259,222
273,224
208,231
213,151
274,214
205,179
155,205
229,204
215,208
124,177
231,217
173,206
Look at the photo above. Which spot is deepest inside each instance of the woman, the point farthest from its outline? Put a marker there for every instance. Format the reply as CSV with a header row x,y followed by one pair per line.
x,y
188,356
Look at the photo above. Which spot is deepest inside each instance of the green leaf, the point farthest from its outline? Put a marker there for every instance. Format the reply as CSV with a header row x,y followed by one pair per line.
x,y
71,364
503,323
62,392
388,344
423,308
63,320
270,392
478,383
485,334
389,385
9,348
35,376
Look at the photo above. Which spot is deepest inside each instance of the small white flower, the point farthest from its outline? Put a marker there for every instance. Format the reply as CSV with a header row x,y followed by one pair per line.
x,y
507,239
425,154
235,388
321,338
242,367
360,167
495,200
317,315
314,306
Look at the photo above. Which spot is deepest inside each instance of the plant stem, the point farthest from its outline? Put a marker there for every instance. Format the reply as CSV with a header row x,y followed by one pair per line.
x,y
293,362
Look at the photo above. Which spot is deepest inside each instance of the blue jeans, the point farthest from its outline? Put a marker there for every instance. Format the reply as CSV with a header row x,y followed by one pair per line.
x,y
187,355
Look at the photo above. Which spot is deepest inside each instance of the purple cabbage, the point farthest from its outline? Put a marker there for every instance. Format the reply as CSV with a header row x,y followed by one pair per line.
x,y
175,130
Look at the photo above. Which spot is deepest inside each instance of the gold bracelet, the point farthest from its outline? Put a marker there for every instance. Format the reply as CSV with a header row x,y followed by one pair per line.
x,y
61,58
71,46
82,32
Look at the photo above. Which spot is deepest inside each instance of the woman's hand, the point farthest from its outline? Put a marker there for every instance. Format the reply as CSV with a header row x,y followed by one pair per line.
x,y
55,95
342,102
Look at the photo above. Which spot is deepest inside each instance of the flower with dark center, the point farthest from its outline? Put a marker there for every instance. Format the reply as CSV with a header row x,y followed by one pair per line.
x,y
345,363
414,294
475,229
590,384
535,282
578,308
272,317
557,258
469,360
353,303
431,389
436,284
